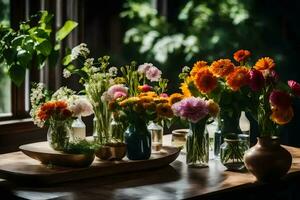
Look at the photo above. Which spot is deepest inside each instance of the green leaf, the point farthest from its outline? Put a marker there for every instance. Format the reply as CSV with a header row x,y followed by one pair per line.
x,y
65,30
53,58
17,41
9,55
23,57
17,74
45,47
40,60
67,60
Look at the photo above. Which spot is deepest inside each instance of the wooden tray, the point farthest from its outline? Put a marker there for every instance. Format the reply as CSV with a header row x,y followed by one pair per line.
x,y
22,169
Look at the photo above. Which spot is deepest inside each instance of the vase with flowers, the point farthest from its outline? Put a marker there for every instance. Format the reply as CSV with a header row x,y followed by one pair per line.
x,y
196,111
271,106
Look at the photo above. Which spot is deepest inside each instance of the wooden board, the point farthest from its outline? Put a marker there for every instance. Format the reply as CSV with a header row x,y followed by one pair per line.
x,y
22,169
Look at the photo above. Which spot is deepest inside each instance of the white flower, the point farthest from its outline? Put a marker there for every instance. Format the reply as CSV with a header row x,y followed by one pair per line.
x,y
113,71
153,74
63,93
89,62
37,94
66,73
142,69
81,107
80,50
95,69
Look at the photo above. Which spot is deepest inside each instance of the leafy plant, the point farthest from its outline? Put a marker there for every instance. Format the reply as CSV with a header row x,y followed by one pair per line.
x,y
31,45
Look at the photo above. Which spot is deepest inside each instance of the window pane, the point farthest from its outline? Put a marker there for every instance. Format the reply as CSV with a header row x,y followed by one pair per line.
x,y
5,85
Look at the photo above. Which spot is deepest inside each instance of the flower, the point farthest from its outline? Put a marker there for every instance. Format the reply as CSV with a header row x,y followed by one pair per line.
x,y
153,74
264,64
145,88
280,99
161,100
257,80
117,91
282,116
222,67
150,94
164,110
80,50
295,87
271,76
129,101
165,95
113,71
81,107
57,110
213,108
142,69
205,81
241,55
197,66
66,73
175,97
185,90
238,78
191,108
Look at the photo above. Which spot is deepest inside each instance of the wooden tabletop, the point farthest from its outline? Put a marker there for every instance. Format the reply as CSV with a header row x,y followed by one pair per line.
x,y
176,181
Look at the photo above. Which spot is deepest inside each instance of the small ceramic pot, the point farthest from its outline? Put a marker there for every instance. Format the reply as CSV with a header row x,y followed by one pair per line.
x,y
111,151
267,160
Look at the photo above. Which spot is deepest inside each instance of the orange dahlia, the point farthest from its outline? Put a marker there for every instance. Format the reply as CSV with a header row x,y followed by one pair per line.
x,y
282,116
164,110
205,81
175,97
222,67
264,63
197,66
241,55
238,78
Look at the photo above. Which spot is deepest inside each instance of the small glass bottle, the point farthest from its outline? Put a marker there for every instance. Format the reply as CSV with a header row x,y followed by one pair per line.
x,y
156,136
78,129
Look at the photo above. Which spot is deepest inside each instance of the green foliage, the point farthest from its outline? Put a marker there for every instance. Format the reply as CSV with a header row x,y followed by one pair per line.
x,y
31,45
81,147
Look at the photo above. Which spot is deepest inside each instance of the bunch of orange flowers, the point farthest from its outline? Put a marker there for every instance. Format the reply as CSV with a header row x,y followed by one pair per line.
x,y
54,110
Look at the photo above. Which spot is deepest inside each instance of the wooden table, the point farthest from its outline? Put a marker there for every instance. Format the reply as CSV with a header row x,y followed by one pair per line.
x,y
173,182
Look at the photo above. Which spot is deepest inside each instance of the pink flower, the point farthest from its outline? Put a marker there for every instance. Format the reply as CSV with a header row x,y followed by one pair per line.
x,y
295,87
257,80
280,99
153,74
191,108
81,107
145,88
164,95
117,91
142,69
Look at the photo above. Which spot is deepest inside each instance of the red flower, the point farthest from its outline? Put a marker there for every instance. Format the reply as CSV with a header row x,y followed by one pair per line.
x,y
257,80
145,88
280,99
295,87
241,55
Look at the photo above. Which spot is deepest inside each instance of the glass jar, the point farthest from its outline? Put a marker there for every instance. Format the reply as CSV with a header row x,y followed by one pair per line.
x,y
197,145
232,153
156,132
179,138
78,130
58,134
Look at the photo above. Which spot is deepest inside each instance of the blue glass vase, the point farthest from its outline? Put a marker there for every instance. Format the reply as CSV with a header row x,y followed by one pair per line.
x,y
138,140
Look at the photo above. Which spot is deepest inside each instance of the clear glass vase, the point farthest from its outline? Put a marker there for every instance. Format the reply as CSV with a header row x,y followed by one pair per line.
x,y
78,130
156,132
58,134
197,145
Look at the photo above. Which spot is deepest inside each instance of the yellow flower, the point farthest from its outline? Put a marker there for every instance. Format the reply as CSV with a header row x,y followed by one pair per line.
x,y
185,90
146,99
175,98
161,100
129,101
150,94
164,110
282,116
264,64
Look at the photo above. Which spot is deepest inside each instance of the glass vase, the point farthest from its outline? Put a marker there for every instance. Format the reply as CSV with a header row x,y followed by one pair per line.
x,y
58,134
138,140
232,153
197,145
156,132
78,129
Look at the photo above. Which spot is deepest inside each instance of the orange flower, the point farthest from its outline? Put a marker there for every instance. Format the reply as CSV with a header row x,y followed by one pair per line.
x,y
222,67
213,108
197,66
185,90
175,97
264,63
241,55
161,100
205,81
149,94
282,116
238,78
164,110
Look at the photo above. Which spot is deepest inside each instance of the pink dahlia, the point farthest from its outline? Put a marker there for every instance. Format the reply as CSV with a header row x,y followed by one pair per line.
x,y
117,91
192,109
295,87
280,99
153,74
142,69
257,80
